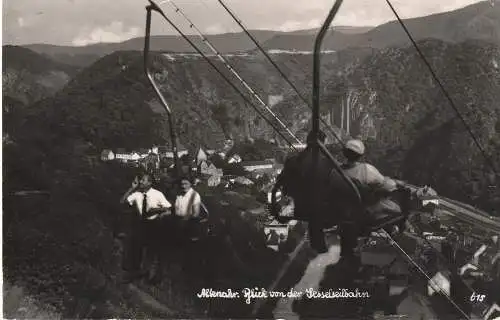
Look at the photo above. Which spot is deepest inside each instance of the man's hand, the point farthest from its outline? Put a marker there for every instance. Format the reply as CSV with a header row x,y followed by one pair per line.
x,y
158,213
165,213
399,183
132,188
135,183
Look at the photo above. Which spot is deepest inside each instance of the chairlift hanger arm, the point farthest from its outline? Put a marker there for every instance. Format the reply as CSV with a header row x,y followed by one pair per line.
x,y
316,66
306,102
153,7
316,89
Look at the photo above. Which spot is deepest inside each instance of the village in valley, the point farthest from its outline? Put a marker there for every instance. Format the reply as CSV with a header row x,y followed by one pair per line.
x,y
208,165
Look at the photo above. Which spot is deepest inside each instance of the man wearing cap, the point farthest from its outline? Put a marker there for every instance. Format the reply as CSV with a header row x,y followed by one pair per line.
x,y
365,173
374,188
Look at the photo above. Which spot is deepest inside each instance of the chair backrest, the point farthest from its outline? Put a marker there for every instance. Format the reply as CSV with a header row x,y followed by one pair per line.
x,y
317,187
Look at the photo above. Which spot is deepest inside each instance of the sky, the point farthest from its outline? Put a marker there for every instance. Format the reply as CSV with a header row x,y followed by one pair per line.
x,y
83,22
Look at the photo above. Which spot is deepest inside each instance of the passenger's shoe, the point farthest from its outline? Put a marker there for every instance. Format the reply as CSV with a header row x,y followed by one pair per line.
x,y
347,253
319,247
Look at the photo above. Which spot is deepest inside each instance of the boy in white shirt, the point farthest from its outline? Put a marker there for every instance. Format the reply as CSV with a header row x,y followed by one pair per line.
x,y
187,204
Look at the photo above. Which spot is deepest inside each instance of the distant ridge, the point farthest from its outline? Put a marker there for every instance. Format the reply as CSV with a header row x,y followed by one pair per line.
x,y
477,21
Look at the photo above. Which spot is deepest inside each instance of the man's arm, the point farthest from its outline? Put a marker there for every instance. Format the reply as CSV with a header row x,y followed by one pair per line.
x,y
196,205
379,181
164,206
131,190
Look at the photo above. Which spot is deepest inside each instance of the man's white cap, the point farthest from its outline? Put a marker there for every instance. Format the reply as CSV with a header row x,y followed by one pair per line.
x,y
356,146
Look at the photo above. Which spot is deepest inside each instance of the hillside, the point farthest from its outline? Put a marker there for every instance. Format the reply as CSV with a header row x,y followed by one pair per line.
x,y
111,99
28,76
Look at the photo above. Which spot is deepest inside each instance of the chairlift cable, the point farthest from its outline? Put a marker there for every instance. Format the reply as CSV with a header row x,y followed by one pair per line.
x,y
240,23
155,7
441,256
445,92
396,245
231,68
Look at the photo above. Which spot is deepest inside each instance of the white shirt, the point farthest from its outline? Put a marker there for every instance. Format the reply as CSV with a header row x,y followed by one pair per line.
x,y
155,199
369,175
182,203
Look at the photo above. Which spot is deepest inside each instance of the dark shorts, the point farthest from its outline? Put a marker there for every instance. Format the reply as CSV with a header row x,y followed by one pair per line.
x,y
384,207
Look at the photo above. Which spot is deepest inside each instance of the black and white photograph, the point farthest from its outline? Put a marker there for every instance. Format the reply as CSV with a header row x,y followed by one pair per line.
x,y
251,159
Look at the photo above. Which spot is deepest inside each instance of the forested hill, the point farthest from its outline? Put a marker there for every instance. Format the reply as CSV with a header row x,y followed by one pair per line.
x,y
29,77
393,101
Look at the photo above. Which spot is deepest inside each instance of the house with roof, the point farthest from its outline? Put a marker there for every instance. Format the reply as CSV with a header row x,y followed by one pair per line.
x,y
429,197
210,173
211,180
151,161
299,146
222,155
207,167
426,200
107,155
277,168
181,151
201,156
162,150
127,157
143,152
258,168
258,165
243,180
235,158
